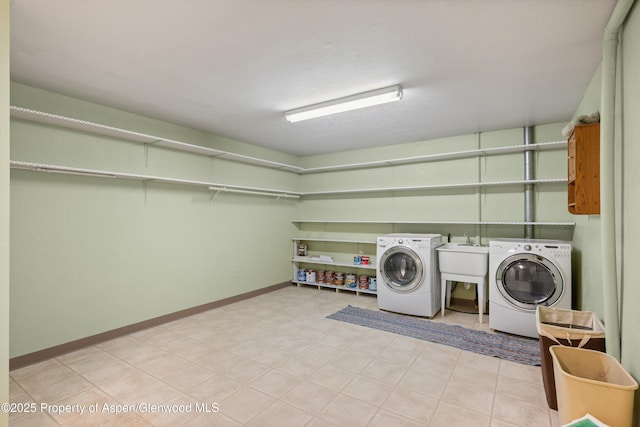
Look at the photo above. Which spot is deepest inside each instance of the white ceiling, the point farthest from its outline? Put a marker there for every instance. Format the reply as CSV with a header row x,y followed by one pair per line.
x,y
232,67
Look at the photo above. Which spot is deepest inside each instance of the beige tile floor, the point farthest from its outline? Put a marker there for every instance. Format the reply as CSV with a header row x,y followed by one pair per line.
x,y
275,360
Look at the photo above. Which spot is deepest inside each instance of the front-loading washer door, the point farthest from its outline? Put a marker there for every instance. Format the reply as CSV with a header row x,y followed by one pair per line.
x,y
401,269
529,280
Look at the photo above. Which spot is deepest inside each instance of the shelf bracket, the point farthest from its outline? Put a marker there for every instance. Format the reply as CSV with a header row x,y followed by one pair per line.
x,y
144,190
215,195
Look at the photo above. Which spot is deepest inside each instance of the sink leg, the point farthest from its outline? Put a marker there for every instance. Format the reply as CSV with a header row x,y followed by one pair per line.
x,y
481,298
445,297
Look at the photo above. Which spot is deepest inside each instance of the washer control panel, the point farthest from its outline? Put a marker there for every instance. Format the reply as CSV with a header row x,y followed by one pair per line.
x,y
417,243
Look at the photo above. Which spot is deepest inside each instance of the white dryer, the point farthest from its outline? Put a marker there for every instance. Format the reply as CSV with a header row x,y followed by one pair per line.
x,y
525,273
408,275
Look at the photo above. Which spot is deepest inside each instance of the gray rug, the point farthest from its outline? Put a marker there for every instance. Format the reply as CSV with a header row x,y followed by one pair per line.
x,y
504,346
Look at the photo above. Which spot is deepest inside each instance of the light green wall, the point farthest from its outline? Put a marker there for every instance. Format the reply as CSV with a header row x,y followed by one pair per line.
x,y
91,254
630,152
50,102
117,252
4,208
469,204
488,204
110,253
587,269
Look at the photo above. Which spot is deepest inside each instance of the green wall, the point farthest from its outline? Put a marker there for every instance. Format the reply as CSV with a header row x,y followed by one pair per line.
x,y
504,203
587,269
91,254
114,252
4,208
629,143
627,176
587,233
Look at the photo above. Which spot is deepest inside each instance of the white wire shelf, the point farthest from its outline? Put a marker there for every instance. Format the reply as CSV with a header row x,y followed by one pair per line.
x,y
257,192
100,129
313,239
434,187
554,145
221,187
429,222
43,167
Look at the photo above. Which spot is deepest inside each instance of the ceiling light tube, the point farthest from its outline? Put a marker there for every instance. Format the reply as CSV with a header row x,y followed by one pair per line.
x,y
354,102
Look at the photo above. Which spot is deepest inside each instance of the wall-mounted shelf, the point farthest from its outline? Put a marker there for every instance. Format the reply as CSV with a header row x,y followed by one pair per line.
x,y
260,192
307,239
43,167
100,129
96,128
434,187
555,145
417,222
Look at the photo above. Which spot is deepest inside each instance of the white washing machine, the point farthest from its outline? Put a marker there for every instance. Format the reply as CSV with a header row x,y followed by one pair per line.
x,y
525,273
408,275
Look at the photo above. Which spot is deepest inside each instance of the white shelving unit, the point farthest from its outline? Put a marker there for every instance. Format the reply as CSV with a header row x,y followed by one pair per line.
x,y
359,245
100,129
152,140
132,136
434,187
213,186
223,187
555,145
138,137
426,222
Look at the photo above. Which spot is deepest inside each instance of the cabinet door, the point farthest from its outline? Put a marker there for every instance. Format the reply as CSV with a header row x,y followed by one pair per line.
x,y
571,159
583,188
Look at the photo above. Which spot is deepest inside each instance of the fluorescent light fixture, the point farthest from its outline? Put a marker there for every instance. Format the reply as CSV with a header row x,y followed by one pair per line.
x,y
354,102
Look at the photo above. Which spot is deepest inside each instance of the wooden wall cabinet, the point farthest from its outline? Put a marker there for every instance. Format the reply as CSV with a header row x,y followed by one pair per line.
x,y
584,170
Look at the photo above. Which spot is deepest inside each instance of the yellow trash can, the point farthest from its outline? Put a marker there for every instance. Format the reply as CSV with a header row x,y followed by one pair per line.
x,y
592,382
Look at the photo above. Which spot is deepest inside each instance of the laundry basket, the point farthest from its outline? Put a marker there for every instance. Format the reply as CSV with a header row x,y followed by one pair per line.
x,y
592,382
557,326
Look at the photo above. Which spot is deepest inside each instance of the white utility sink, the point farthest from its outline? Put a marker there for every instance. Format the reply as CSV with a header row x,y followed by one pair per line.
x,y
467,260
463,263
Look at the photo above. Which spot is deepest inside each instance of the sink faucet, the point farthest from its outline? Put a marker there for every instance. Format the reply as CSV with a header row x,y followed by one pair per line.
x,y
468,240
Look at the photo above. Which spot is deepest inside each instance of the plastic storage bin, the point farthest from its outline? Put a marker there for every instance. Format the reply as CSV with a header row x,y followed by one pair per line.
x,y
557,326
592,382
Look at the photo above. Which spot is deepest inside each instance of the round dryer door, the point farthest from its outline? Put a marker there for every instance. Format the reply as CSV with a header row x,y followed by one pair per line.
x,y
528,280
401,269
